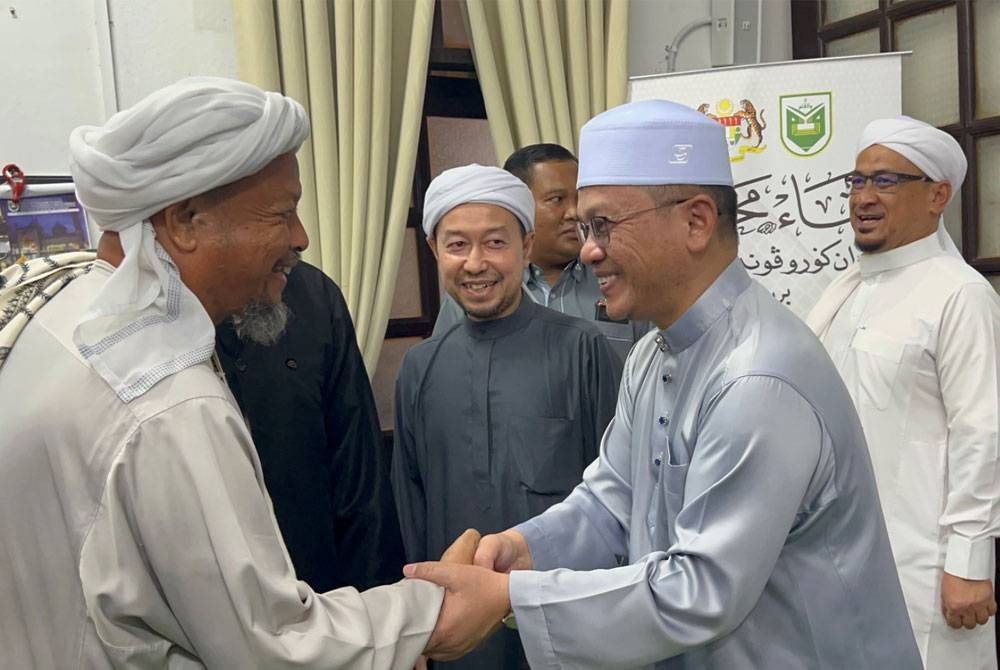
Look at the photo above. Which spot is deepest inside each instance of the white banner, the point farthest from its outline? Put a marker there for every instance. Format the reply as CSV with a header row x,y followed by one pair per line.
x,y
792,129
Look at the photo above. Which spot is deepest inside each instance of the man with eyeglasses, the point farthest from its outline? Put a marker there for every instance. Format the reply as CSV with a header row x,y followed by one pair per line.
x,y
915,333
731,519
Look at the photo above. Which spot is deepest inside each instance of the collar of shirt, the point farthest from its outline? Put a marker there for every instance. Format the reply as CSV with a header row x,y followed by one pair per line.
x,y
533,275
714,302
493,329
908,254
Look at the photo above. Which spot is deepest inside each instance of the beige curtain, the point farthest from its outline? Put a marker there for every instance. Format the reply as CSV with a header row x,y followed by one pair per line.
x,y
547,66
360,68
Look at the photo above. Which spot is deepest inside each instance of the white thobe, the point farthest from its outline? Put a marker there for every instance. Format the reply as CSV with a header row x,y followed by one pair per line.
x,y
917,341
140,535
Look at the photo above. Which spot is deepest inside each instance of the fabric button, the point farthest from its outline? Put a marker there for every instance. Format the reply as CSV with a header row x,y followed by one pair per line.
x,y
657,461
664,420
291,363
668,378
241,365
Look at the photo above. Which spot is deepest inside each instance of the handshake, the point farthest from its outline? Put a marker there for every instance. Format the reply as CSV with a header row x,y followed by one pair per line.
x,y
474,572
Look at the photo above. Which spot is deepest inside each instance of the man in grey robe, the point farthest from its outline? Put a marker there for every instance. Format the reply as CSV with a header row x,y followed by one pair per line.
x,y
556,278
497,417
135,528
734,477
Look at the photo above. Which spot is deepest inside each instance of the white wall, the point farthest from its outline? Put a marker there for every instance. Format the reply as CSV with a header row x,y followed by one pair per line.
x,y
74,62
653,24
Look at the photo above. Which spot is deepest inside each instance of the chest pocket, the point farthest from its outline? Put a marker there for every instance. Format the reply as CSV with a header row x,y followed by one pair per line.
x,y
878,359
548,452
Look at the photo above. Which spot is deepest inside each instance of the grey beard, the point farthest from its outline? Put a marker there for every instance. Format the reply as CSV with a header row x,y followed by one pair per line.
x,y
262,322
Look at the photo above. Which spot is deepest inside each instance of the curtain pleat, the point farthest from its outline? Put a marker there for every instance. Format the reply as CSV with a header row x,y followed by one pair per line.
x,y
547,66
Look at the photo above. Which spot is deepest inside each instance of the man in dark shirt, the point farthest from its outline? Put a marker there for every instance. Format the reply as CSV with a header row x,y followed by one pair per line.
x,y
312,415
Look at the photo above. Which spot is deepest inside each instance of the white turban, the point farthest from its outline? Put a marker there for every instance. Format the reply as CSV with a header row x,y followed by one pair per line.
x,y
478,184
935,153
181,141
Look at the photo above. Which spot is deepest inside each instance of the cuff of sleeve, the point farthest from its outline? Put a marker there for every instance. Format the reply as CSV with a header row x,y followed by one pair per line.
x,y
525,599
541,558
969,559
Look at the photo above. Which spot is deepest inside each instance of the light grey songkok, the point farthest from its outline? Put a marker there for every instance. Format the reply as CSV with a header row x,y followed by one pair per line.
x,y
936,153
478,184
181,141
653,142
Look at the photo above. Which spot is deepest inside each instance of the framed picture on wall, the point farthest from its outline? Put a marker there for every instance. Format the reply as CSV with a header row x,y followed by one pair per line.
x,y
47,220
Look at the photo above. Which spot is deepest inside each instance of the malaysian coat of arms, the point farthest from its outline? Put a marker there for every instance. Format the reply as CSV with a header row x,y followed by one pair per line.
x,y
744,125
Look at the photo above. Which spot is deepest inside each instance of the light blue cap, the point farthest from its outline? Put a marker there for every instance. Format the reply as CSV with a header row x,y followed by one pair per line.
x,y
479,184
653,142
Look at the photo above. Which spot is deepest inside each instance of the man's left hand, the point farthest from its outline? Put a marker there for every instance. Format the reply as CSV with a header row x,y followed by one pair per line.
x,y
967,602
475,602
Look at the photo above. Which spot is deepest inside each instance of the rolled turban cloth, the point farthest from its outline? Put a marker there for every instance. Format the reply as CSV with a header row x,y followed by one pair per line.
x,y
653,142
478,184
181,141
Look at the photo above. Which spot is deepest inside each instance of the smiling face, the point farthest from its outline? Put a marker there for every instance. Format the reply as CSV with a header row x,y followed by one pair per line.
x,y
644,264
553,185
481,253
885,221
237,244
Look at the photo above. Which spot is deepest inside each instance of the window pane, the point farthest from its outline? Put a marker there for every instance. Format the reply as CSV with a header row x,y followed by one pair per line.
x,y
835,10
384,381
854,45
986,23
453,142
988,156
930,74
953,219
406,300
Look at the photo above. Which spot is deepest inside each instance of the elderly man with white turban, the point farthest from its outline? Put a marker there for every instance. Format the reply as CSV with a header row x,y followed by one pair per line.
x,y
731,520
915,333
497,416
134,523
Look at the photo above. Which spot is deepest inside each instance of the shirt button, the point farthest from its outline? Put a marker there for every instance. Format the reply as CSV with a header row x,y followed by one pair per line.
x,y
291,363
668,378
241,365
664,420
657,461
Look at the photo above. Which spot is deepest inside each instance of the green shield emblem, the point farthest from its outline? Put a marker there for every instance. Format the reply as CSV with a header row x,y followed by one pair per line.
x,y
806,122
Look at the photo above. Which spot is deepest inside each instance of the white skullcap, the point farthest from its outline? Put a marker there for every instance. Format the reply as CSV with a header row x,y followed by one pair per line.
x,y
933,151
653,142
478,184
179,142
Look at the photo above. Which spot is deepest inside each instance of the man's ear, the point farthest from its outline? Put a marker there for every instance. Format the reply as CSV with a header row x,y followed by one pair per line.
x,y
940,193
433,244
528,242
703,220
175,226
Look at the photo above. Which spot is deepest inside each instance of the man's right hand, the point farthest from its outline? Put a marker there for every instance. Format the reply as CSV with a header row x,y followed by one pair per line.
x,y
504,552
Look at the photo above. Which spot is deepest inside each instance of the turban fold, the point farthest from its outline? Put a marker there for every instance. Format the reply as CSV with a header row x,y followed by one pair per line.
x,y
653,142
183,140
477,184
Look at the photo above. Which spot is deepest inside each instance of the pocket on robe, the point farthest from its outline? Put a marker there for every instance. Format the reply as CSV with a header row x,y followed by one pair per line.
x,y
878,357
548,453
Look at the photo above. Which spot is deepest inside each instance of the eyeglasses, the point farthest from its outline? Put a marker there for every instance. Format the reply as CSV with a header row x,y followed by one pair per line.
x,y
885,182
600,226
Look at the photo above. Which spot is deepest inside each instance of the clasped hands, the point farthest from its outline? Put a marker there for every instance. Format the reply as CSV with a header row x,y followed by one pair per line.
x,y
474,572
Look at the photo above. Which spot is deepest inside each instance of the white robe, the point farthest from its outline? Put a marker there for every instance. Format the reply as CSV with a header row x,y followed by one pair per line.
x,y
140,535
915,333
